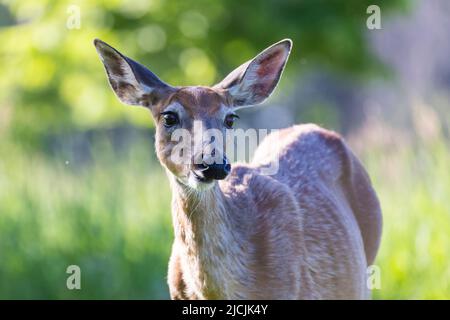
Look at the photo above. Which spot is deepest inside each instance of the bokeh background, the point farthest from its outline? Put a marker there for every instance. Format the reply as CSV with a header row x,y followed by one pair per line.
x,y
79,181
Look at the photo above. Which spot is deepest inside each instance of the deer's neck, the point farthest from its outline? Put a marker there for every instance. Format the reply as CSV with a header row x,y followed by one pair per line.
x,y
207,235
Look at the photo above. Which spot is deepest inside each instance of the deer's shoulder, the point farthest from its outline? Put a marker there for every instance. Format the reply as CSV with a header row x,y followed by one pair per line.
x,y
259,195
306,152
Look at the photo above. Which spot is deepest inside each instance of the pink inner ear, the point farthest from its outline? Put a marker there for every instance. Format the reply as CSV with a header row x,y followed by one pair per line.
x,y
268,69
269,64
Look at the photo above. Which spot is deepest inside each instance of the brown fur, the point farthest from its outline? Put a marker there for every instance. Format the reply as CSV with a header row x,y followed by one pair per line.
x,y
307,232
303,233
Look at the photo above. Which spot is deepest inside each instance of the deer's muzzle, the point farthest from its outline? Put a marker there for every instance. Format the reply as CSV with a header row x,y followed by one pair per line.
x,y
212,171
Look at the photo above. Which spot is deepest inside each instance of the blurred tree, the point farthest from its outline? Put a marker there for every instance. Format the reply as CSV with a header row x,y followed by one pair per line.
x,y
52,80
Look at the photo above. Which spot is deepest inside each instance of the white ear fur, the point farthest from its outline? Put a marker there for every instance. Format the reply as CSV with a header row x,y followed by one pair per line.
x,y
254,81
132,82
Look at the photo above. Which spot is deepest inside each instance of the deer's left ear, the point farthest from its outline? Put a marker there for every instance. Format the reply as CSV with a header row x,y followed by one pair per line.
x,y
255,80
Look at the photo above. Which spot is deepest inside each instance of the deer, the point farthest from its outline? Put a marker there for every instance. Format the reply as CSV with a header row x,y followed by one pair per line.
x,y
308,231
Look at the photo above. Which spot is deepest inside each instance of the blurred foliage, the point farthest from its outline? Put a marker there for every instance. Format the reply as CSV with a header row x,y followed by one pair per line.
x,y
413,185
112,218
102,202
52,80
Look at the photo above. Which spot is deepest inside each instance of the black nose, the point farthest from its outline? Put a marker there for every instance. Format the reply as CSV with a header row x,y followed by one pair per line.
x,y
216,171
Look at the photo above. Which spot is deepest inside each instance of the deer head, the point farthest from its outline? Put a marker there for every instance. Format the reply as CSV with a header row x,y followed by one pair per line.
x,y
194,109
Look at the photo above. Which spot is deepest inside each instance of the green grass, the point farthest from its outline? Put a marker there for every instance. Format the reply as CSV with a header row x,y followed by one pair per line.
x,y
110,215
415,248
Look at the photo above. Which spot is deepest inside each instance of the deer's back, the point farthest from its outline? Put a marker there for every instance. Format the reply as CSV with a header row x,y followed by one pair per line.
x,y
340,212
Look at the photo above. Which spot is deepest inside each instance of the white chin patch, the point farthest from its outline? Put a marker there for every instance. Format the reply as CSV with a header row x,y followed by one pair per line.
x,y
198,185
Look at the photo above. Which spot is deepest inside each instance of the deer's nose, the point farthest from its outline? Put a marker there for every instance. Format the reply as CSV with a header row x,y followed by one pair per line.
x,y
216,171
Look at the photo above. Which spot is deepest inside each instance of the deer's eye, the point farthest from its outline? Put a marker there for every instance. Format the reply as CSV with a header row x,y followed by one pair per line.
x,y
170,119
229,120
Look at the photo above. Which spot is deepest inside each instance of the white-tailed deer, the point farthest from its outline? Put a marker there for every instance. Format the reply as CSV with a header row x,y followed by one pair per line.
x,y
307,232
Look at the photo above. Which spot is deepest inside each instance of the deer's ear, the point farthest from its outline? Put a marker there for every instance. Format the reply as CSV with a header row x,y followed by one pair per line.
x,y
132,82
255,80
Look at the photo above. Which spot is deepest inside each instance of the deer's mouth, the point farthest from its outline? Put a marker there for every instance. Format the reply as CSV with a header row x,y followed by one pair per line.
x,y
198,182
200,177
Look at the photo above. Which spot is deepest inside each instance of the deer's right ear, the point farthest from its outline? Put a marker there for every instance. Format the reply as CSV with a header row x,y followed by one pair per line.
x,y
133,83
255,80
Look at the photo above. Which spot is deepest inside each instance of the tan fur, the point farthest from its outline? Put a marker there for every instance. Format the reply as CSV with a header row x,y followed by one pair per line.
x,y
308,232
